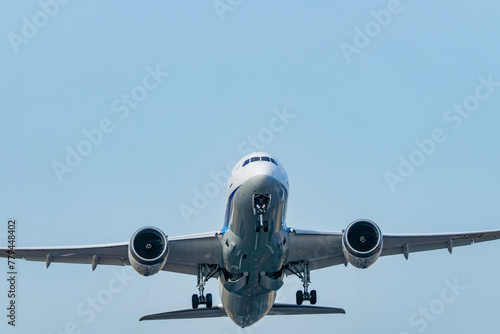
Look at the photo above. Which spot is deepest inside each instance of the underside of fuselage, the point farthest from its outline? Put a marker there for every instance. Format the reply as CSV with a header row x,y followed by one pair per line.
x,y
254,249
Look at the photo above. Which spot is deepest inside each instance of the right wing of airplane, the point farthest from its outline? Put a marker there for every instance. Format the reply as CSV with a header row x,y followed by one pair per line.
x,y
324,249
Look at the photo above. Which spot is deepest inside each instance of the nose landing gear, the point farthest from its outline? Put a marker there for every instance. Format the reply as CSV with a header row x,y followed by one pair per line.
x,y
260,206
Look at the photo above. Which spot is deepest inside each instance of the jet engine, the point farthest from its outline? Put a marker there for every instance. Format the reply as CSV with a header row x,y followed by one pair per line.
x,y
362,243
148,250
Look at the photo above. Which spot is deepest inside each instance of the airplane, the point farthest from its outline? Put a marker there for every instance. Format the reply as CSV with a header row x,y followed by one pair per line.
x,y
253,252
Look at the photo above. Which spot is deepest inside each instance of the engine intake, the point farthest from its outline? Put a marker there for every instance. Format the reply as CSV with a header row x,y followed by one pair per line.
x,y
148,250
362,243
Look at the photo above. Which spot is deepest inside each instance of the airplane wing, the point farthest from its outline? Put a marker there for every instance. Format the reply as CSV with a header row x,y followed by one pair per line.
x,y
218,311
185,254
324,249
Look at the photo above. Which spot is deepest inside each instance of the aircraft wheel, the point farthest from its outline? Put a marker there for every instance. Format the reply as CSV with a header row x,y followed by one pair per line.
x,y
195,301
299,297
209,300
266,226
257,227
313,297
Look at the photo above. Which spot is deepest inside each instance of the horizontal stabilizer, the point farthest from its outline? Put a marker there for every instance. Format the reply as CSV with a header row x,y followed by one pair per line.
x,y
218,311
287,309
213,312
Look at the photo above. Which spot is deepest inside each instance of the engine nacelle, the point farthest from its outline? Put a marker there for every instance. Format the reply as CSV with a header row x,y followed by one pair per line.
x,y
148,250
362,243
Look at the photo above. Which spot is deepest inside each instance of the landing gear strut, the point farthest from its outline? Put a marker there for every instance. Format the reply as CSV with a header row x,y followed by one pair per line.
x,y
205,272
301,270
260,205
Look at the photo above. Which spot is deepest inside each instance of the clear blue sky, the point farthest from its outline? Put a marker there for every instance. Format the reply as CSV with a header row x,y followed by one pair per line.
x,y
359,101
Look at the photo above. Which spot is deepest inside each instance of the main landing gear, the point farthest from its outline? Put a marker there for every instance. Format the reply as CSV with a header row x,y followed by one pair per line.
x,y
205,272
260,205
301,270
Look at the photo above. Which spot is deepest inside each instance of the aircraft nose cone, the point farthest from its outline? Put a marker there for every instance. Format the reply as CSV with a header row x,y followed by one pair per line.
x,y
261,169
261,175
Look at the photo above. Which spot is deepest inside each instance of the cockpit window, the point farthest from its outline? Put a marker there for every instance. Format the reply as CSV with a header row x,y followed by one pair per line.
x,y
254,159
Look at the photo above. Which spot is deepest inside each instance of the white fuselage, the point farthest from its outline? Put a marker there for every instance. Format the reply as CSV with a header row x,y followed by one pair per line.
x,y
254,240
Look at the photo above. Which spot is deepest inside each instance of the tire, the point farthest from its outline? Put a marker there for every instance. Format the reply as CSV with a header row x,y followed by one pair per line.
x,y
195,301
209,300
313,297
266,226
299,297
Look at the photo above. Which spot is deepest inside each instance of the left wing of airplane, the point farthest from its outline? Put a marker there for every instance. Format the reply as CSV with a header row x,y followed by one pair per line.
x,y
362,243
184,253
